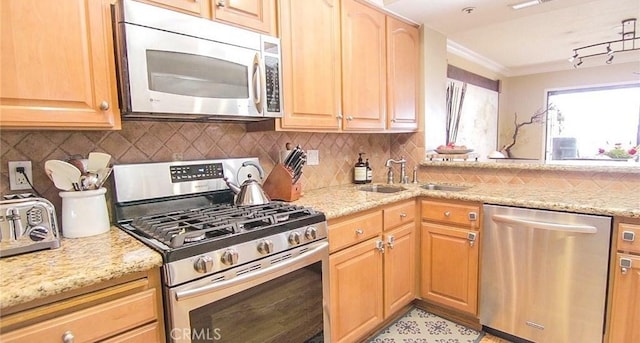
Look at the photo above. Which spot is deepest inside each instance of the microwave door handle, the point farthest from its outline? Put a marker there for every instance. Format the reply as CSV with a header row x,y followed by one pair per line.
x,y
257,83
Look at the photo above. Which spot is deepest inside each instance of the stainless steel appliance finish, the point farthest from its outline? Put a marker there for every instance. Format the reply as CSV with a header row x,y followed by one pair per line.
x,y
27,224
176,66
254,264
544,274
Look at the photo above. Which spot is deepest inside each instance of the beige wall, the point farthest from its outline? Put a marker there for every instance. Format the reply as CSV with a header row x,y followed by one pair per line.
x,y
434,55
526,94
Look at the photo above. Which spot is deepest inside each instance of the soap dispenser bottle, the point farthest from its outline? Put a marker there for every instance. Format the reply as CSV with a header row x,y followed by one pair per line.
x,y
360,171
369,171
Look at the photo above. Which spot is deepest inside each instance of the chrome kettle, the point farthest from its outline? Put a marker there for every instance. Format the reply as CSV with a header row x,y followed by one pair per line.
x,y
250,192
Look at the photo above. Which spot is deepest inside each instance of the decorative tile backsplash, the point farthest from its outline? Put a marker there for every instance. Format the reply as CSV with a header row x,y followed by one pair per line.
x,y
146,141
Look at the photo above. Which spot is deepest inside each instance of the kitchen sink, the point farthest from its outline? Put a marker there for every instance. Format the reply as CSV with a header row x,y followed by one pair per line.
x,y
444,187
382,189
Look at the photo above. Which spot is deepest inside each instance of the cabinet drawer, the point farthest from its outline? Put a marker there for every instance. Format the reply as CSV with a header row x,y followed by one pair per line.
x,y
444,212
144,334
354,230
629,238
94,323
396,215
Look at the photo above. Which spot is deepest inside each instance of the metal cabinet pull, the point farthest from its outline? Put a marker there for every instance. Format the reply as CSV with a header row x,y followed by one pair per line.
x,y
403,215
349,118
625,265
473,216
221,3
390,241
380,246
447,214
471,236
359,232
628,236
104,105
68,337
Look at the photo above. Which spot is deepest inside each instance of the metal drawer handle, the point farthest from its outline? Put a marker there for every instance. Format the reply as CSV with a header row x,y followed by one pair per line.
x,y
221,3
68,337
359,232
447,214
403,215
104,105
380,246
471,236
349,118
390,241
628,236
339,116
625,265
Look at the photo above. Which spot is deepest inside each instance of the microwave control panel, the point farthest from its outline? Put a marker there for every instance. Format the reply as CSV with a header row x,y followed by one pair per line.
x,y
272,75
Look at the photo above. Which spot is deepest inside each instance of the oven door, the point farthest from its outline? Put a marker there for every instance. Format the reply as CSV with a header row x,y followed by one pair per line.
x,y
173,73
282,298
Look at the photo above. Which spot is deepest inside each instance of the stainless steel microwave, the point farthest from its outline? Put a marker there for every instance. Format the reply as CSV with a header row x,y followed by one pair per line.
x,y
177,66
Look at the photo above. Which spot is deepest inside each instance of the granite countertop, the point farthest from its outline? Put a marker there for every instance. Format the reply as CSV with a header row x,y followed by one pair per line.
x,y
347,199
79,262
85,261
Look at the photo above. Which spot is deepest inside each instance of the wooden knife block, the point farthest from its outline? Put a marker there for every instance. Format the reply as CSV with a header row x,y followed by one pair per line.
x,y
278,185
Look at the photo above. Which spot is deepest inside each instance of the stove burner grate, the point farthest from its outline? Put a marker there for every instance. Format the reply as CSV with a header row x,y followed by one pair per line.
x,y
178,228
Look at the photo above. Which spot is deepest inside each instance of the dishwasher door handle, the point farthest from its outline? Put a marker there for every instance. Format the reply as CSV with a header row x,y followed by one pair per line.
x,y
499,218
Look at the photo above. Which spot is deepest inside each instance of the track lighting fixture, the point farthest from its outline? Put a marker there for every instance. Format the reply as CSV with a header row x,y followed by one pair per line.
x,y
629,41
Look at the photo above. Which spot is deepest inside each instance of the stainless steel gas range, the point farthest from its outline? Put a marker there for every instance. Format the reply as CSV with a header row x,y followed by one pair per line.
x,y
231,273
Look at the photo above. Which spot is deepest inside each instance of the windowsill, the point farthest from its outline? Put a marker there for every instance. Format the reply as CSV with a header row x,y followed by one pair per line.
x,y
529,164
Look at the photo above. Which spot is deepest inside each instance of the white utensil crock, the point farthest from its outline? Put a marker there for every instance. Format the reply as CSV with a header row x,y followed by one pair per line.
x,y
84,213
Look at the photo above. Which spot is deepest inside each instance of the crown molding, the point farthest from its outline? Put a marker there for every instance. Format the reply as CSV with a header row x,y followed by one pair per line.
x,y
472,56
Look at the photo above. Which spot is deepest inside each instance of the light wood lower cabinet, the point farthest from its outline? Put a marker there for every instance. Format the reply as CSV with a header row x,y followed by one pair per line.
x,y
399,268
130,311
450,254
625,317
372,269
356,291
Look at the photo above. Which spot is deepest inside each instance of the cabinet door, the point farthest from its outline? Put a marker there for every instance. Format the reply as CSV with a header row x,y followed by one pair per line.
x,y
310,43
625,310
403,70
364,67
399,268
449,267
194,7
355,279
57,65
257,15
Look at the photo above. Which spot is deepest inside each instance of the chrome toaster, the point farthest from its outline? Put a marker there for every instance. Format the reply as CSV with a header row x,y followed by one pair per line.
x,y
27,225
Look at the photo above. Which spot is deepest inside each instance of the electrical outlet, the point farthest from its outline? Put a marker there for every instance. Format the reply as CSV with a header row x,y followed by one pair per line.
x,y
17,181
313,157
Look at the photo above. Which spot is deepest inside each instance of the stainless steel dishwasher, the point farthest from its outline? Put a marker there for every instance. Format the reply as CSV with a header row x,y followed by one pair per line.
x,y
544,274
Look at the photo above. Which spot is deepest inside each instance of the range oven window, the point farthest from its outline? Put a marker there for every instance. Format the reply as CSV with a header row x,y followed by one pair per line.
x,y
286,309
196,75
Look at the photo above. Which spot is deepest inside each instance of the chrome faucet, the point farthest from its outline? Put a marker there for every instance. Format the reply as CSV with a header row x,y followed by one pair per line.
x,y
403,170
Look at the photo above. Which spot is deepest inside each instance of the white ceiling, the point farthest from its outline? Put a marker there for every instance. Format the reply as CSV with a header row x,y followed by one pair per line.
x,y
530,40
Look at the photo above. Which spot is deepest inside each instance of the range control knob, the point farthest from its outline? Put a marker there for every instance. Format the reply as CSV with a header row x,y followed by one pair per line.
x,y
203,264
294,238
38,233
311,233
229,257
265,247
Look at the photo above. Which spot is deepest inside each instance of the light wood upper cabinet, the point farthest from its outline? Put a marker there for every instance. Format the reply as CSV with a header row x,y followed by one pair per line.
x,y
311,69
57,62
364,61
259,15
403,74
194,7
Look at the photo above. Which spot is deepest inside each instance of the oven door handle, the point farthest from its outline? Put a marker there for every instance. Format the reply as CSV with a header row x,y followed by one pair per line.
x,y
309,254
